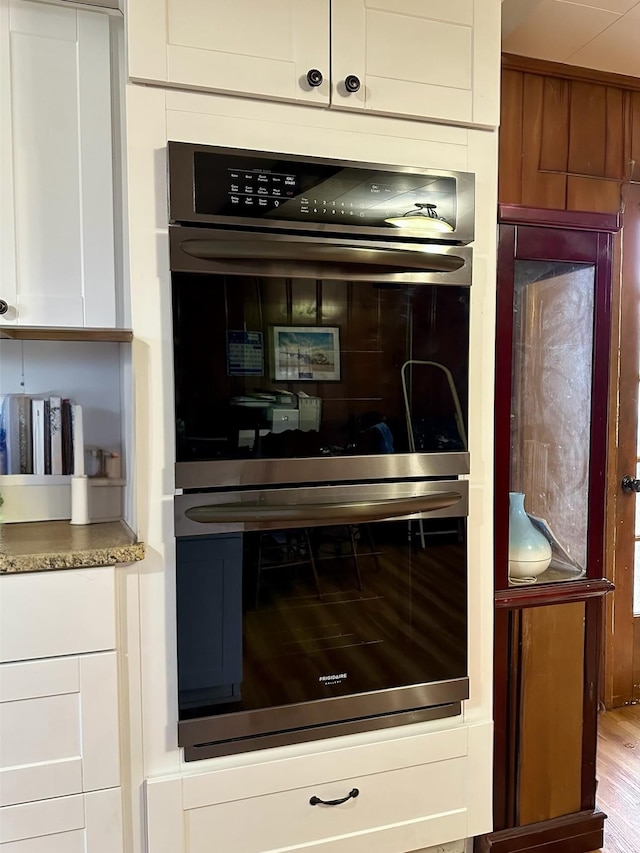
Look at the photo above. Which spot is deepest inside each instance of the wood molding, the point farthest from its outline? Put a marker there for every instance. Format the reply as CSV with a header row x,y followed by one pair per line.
x,y
59,333
513,62
552,593
517,214
581,832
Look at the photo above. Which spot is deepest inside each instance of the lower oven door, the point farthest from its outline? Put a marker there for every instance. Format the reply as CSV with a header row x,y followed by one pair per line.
x,y
311,612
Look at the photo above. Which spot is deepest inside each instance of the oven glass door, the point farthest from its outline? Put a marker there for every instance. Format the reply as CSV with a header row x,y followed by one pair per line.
x,y
281,366
338,603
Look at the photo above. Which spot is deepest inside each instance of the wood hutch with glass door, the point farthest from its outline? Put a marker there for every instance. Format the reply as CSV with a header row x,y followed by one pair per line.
x,y
552,365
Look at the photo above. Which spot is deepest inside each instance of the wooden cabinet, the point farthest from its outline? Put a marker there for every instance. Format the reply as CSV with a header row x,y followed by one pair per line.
x,y
59,743
57,256
552,357
398,57
413,792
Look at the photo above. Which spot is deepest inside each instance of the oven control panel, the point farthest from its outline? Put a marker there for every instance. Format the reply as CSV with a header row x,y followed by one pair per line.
x,y
223,184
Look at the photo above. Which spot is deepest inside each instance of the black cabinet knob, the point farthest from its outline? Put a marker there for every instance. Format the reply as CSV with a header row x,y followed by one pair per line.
x,y
630,484
314,77
352,83
4,306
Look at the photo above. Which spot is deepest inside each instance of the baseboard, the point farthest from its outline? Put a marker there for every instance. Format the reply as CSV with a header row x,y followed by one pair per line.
x,y
581,832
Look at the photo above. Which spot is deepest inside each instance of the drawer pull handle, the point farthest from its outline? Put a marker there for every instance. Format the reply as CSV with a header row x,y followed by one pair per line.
x,y
316,801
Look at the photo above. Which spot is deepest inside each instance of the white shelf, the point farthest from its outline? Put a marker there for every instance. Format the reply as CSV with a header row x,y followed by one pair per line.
x,y
47,497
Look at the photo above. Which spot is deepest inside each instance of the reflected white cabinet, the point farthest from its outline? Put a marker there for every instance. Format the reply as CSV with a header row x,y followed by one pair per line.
x,y
59,740
57,260
400,57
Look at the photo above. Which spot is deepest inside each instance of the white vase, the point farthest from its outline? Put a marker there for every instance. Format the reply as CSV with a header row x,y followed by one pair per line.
x,y
529,550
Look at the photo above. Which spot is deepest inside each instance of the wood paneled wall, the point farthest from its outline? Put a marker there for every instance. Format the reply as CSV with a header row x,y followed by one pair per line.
x,y
569,139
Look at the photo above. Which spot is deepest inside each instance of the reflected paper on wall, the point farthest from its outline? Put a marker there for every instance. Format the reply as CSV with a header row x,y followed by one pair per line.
x,y
245,353
305,353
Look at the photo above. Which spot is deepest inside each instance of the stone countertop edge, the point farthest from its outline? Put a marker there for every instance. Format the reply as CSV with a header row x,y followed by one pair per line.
x,y
57,545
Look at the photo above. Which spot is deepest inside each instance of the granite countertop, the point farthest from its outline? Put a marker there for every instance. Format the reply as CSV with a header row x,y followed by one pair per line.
x,y
42,545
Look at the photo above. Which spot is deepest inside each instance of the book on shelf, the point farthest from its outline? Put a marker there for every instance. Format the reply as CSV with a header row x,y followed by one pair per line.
x,y
16,453
55,431
67,438
36,435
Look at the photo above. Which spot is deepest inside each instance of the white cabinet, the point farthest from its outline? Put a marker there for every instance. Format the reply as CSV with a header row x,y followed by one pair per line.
x,y
401,57
85,823
57,260
414,792
58,727
59,743
242,47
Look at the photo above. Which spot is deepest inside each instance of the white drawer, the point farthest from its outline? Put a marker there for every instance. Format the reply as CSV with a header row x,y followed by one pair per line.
x,y
420,806
58,727
414,793
87,823
45,614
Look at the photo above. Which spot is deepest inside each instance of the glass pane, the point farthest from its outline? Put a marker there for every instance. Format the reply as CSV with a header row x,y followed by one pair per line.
x,y
551,409
636,562
636,585
282,368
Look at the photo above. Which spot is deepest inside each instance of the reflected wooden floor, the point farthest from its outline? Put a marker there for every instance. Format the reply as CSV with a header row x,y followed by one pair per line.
x,y
619,778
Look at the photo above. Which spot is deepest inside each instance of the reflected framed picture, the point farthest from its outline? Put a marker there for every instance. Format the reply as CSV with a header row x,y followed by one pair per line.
x,y
305,353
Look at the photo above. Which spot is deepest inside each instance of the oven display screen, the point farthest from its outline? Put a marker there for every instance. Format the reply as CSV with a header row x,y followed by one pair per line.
x,y
260,187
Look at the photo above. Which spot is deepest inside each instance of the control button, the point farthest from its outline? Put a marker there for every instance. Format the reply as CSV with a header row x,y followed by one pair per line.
x,y
248,188
234,199
235,188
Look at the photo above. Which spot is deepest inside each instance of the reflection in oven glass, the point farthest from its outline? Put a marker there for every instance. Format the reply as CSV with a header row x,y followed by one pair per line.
x,y
327,611
284,368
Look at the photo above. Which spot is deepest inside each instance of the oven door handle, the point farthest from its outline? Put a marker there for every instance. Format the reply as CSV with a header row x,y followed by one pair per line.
x,y
345,512
263,250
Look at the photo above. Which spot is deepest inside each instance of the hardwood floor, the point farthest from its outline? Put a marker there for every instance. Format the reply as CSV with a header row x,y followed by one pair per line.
x,y
619,778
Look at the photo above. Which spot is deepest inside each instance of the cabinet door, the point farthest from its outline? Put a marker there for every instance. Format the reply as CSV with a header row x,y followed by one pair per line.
x,y
86,823
552,356
58,727
57,234
419,59
244,47
68,613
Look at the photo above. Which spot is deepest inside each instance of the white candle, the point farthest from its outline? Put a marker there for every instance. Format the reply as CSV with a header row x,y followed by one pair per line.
x,y
78,441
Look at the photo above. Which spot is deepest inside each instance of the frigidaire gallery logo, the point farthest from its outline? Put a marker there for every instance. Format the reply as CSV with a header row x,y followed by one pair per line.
x,y
336,678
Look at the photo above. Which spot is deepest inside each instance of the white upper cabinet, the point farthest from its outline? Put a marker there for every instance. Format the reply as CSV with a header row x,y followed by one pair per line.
x,y
413,58
278,50
437,60
57,261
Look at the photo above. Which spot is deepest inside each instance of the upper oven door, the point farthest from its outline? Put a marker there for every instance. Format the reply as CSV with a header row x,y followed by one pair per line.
x,y
288,350
285,192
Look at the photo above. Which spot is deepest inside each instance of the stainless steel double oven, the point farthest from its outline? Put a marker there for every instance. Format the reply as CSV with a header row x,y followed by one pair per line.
x,y
321,352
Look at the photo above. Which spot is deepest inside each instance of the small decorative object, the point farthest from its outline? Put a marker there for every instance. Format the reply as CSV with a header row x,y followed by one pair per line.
x,y
305,353
529,550
421,219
